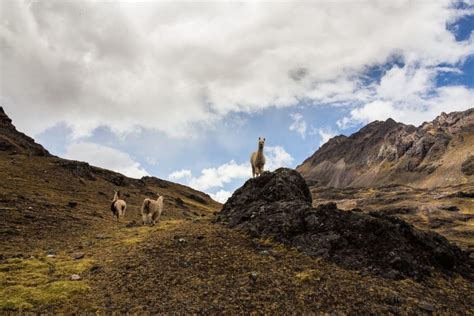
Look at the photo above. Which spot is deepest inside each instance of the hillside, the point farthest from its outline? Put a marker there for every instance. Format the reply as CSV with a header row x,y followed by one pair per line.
x,y
422,175
435,154
62,252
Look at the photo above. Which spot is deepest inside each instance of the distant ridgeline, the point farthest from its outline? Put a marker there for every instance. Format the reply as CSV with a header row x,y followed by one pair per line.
x,y
435,154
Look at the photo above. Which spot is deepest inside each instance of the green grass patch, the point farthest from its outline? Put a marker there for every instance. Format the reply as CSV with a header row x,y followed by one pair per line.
x,y
37,282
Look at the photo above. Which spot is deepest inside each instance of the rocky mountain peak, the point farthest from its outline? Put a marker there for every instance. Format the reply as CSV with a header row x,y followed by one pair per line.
x,y
16,142
4,119
391,152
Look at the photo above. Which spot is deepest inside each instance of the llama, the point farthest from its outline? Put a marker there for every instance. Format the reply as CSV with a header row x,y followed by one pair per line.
x,y
118,206
257,160
151,210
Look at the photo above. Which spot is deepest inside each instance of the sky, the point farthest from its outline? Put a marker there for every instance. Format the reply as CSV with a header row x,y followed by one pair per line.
x,y
183,90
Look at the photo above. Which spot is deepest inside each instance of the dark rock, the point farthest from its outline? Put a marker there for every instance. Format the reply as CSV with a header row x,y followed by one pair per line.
x,y
462,194
196,198
451,208
72,204
426,306
467,166
179,202
278,205
78,168
78,255
133,223
14,141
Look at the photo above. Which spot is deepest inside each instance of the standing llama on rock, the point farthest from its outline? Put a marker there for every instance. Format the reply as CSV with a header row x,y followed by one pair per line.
x,y
257,160
118,206
151,210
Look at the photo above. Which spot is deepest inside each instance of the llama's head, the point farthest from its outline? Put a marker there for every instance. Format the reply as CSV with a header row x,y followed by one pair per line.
x,y
261,142
116,195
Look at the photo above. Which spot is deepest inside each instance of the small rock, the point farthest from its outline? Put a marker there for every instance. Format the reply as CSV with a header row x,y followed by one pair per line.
x,y
182,240
427,306
75,277
95,268
393,299
102,236
72,204
78,255
253,276
133,223
51,256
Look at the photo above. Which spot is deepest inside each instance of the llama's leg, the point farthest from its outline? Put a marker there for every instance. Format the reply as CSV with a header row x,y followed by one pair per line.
x,y
144,219
253,171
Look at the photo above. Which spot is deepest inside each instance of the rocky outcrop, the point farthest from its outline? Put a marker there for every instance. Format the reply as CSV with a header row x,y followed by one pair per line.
x,y
14,141
389,152
467,166
278,205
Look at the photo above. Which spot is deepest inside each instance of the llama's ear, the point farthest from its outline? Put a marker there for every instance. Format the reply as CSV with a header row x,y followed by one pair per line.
x,y
264,139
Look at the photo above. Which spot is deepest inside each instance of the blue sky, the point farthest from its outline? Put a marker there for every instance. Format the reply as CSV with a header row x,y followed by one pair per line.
x,y
183,91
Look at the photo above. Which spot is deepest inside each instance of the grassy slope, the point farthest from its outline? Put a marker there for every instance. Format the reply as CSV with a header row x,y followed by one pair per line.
x,y
186,263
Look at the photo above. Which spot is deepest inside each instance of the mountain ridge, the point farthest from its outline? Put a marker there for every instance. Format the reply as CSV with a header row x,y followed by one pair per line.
x,y
388,152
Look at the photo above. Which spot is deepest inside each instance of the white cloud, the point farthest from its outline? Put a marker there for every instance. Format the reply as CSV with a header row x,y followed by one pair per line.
x,y
221,196
408,95
151,161
105,157
298,125
277,157
325,134
219,177
180,174
171,66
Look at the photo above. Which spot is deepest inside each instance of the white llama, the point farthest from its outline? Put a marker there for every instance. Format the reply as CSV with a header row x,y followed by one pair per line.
x,y
118,206
151,210
257,160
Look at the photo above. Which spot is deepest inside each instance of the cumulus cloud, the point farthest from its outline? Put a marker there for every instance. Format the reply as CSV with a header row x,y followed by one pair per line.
x,y
221,196
124,65
325,135
409,95
220,176
277,157
180,174
105,157
299,124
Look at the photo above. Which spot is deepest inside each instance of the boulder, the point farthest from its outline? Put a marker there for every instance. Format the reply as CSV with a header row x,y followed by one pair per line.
x,y
278,205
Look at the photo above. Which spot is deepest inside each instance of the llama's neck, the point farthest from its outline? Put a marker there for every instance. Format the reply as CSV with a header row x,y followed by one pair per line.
x,y
260,151
115,197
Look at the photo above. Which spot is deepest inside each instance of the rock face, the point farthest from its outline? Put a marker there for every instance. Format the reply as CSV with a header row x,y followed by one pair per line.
x,y
16,142
278,205
389,152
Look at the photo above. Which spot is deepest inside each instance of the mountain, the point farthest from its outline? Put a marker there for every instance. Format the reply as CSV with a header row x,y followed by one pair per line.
x,y
436,154
61,252
423,175
44,198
